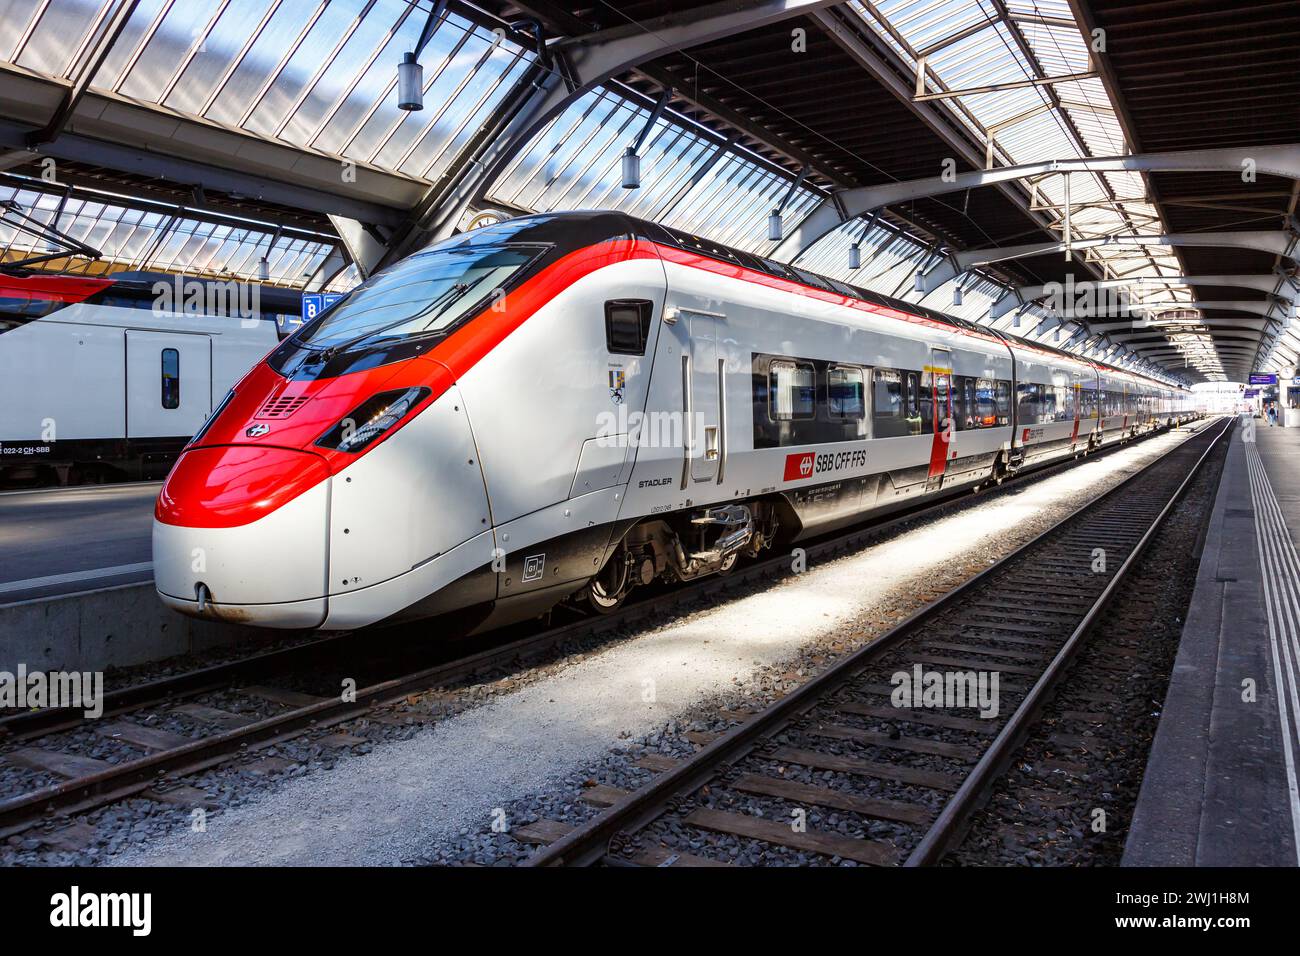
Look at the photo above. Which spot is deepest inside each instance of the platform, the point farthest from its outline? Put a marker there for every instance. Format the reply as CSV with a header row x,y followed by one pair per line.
x,y
64,540
76,583
1220,786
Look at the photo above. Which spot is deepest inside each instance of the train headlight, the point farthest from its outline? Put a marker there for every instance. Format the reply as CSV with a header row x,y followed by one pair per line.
x,y
376,415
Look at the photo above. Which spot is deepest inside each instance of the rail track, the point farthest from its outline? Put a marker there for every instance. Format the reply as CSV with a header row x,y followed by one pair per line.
x,y
156,759
899,781
1097,729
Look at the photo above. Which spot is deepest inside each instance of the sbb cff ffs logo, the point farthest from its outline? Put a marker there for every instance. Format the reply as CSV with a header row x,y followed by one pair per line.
x,y
799,466
806,464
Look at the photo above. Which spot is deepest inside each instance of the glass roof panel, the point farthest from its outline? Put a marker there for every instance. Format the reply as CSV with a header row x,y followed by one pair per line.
x,y
274,43
1029,40
182,30
316,74
17,15
476,79
218,52
385,26
689,179
60,32
162,239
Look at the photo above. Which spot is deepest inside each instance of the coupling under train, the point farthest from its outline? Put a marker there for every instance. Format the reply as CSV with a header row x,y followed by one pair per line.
x,y
568,406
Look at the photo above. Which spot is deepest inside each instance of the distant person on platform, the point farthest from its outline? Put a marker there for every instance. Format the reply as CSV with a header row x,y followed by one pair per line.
x,y
1272,414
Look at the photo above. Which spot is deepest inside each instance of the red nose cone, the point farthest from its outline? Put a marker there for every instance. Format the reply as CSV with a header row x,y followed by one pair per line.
x,y
233,485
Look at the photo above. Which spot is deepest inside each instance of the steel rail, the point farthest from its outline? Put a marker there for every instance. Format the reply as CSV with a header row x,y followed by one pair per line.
x,y
136,776
947,826
32,724
591,843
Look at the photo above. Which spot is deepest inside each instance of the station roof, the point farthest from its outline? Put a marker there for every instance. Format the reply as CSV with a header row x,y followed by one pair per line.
x,y
262,138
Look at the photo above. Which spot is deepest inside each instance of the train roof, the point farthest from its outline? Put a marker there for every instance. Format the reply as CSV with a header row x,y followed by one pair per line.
x,y
74,286
601,225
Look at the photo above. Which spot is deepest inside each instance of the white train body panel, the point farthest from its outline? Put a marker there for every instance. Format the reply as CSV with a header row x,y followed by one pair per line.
x,y
539,397
273,570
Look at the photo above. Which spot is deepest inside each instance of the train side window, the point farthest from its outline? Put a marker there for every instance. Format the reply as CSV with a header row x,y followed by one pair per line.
x,y
845,393
792,391
1027,403
963,402
1004,402
1051,403
920,389
627,325
983,410
171,378
887,404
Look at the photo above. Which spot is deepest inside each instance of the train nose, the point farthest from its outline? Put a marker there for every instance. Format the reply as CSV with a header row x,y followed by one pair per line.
x,y
240,534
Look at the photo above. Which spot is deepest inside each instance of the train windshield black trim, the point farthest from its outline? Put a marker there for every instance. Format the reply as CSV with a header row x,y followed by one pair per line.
x,y
424,295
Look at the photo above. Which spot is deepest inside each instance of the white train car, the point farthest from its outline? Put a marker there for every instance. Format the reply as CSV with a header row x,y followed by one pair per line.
x,y
107,378
571,405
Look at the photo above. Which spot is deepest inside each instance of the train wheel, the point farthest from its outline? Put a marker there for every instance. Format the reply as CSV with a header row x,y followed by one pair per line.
x,y
729,564
601,600
607,591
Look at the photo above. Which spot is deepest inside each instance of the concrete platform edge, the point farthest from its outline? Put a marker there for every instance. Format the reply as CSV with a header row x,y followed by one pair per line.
x,y
1214,791
112,627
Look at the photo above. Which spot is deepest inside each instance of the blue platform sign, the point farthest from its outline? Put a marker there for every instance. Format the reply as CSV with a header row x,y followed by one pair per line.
x,y
314,303
1260,379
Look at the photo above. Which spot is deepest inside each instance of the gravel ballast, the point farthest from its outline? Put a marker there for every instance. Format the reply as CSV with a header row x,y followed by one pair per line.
x,y
432,793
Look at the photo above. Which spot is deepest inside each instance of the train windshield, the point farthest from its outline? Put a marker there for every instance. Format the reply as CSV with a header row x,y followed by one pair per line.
x,y
423,295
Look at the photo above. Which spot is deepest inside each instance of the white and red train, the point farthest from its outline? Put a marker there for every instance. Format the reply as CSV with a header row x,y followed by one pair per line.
x,y
574,404
107,378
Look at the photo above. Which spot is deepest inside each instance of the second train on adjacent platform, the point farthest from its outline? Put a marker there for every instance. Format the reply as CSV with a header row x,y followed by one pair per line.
x,y
105,378
567,406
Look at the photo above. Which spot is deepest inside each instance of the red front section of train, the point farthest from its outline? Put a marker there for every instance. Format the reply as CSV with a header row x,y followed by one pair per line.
x,y
262,449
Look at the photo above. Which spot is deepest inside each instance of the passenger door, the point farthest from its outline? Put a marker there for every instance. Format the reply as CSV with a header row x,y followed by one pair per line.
x,y
168,383
702,380
944,446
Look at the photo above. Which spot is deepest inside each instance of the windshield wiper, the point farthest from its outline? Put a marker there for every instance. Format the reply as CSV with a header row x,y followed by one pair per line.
x,y
463,289
451,295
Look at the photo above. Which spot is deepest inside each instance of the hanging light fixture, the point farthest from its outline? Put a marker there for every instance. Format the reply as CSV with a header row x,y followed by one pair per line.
x,y
631,169
410,84
632,155
855,256
956,295
263,269
918,284
774,232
